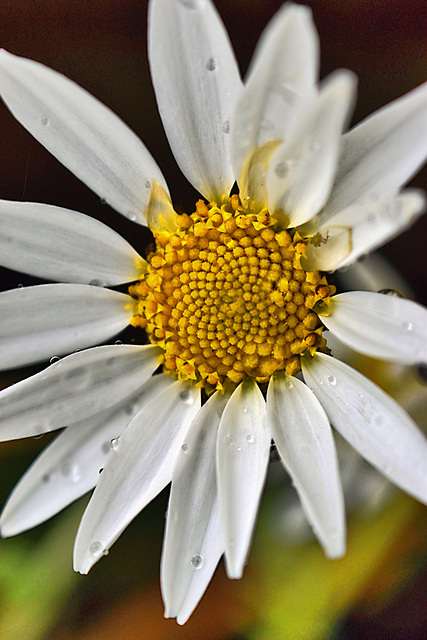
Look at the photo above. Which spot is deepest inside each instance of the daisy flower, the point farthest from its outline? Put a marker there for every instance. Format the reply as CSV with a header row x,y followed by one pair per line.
x,y
233,297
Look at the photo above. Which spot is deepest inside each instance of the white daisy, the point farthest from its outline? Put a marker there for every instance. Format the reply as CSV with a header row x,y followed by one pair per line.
x,y
231,297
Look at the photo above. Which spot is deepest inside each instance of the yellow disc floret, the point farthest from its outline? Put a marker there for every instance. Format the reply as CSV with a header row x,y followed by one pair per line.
x,y
225,297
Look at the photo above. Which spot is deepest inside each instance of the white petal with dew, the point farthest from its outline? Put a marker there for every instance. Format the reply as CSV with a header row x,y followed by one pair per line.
x,y
138,467
303,437
333,247
372,422
193,540
74,388
70,465
283,74
381,153
64,246
243,451
302,170
376,224
379,326
197,83
39,322
85,135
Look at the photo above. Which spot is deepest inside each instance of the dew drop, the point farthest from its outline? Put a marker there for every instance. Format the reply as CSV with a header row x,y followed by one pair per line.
x,y
197,562
118,342
54,359
191,4
114,444
40,435
20,286
250,438
103,200
100,471
230,440
45,122
238,448
106,446
70,471
148,184
98,283
131,408
131,216
332,380
96,549
407,326
371,217
185,447
288,383
186,396
226,126
212,64
245,409
394,293
47,477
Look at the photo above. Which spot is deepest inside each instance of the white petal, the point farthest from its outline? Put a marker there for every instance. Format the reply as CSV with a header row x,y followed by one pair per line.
x,y
375,224
302,170
81,132
138,467
282,76
243,450
70,465
75,388
379,326
372,422
304,439
193,540
197,82
63,245
382,153
39,322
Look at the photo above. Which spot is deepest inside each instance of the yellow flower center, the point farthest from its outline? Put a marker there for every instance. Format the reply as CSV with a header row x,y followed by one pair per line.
x,y
225,297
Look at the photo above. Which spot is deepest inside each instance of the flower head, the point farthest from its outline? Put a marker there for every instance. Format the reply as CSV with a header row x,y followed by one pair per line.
x,y
233,297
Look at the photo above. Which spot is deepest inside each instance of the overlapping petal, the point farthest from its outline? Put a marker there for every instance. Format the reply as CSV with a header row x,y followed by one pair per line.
x,y
380,326
138,467
82,133
282,77
77,387
302,169
39,322
303,437
70,465
193,541
197,83
372,422
64,246
243,450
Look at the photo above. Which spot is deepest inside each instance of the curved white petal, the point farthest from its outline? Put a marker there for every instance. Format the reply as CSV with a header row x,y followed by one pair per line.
x,y
379,326
197,83
372,422
81,132
193,540
138,467
243,451
63,245
303,436
302,170
39,322
376,224
381,153
74,388
70,465
282,76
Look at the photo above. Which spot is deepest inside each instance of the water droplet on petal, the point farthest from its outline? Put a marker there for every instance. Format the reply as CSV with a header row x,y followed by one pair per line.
x,y
20,286
147,185
197,562
131,216
96,549
394,293
98,283
185,447
250,438
40,435
288,383
226,126
371,217
186,396
103,200
332,380
115,443
230,440
54,359
245,409
281,169
118,342
238,448
407,326
45,122
70,471
212,64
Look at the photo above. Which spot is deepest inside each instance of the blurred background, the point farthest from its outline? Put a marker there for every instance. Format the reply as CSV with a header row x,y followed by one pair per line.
x,y
289,590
